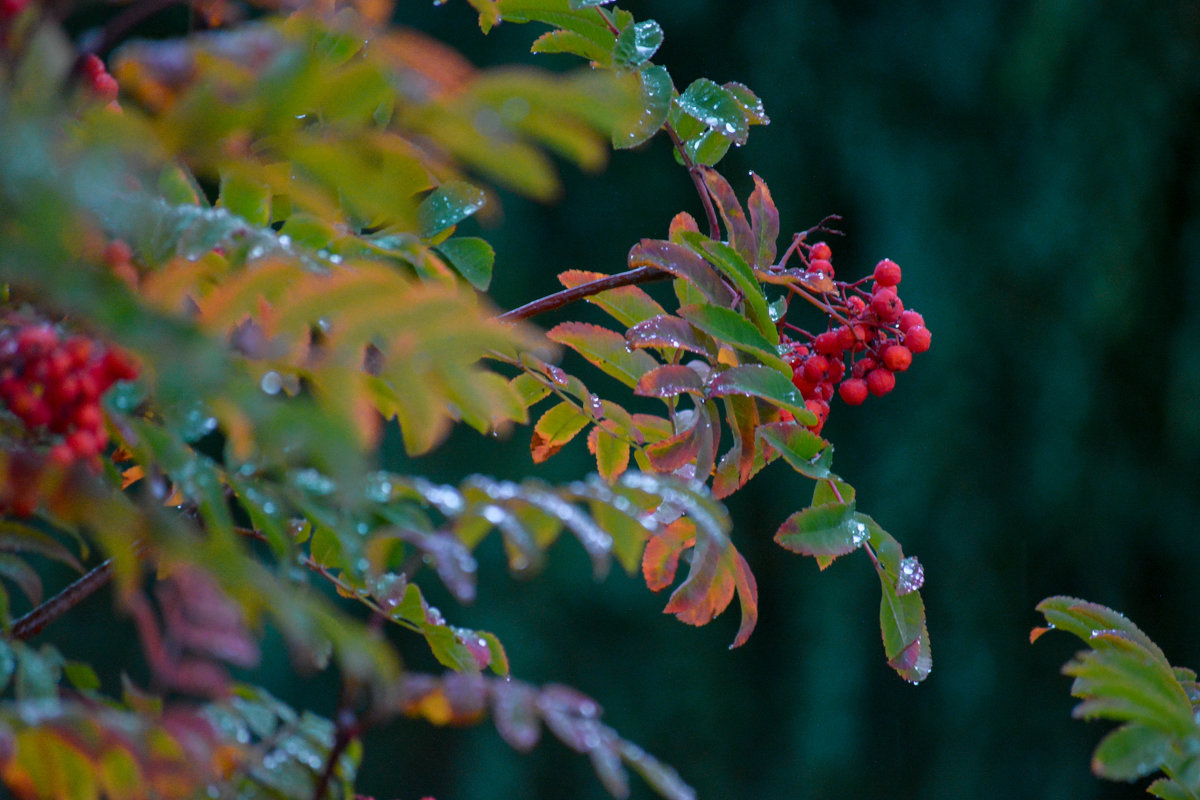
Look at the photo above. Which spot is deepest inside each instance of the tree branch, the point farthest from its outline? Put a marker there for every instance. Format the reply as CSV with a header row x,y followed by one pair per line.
x,y
567,296
36,620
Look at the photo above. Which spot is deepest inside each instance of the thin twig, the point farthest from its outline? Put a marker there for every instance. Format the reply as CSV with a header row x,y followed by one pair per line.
x,y
36,620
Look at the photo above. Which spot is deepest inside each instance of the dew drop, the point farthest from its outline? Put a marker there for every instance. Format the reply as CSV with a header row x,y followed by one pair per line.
x,y
912,576
271,382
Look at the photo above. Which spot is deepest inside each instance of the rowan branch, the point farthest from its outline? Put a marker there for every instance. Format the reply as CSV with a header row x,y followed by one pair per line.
x,y
567,296
84,587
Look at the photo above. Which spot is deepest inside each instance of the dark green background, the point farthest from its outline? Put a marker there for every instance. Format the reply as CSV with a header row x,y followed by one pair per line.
x,y
1033,167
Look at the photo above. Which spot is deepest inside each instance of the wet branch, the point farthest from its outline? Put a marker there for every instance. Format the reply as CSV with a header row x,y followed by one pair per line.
x,y
36,620
567,296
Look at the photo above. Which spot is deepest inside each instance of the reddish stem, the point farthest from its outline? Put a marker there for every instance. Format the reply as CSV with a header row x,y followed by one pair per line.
x,y
84,587
567,296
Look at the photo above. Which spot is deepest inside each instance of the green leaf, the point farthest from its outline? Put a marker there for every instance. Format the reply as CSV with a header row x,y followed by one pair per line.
x,y
734,267
716,107
682,263
605,349
245,197
1130,752
826,530
447,205
589,3
706,148
656,92
472,257
81,675
905,637
573,43
751,105
612,454
1168,789
763,382
804,450
637,44
555,428
1082,618
729,327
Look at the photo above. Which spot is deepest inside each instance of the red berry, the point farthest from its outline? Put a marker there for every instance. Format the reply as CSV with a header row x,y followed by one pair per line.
x,y
34,340
823,391
118,365
88,417
897,357
80,351
82,443
918,339
863,366
855,305
829,343
815,369
105,86
785,415
820,252
886,304
806,388
911,319
853,392
62,455
836,370
821,409
880,381
887,273
821,265
92,65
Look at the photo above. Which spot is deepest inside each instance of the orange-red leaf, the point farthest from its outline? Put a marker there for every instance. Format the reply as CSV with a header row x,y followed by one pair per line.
x,y
556,427
660,559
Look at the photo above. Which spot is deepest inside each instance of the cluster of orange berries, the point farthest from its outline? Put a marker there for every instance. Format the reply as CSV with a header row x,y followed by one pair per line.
x,y
53,386
876,338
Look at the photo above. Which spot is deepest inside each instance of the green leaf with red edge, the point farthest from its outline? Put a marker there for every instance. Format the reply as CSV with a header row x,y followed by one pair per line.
x,y
1081,618
755,380
660,559
730,264
737,228
611,452
749,101
657,90
824,530
670,380
805,451
605,349
901,616
629,305
555,428
652,428
764,221
682,263
729,327
670,333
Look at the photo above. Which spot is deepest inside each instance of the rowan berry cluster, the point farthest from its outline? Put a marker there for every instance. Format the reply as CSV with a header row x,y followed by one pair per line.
x,y
874,338
53,386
